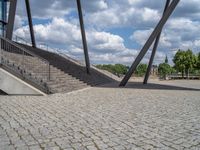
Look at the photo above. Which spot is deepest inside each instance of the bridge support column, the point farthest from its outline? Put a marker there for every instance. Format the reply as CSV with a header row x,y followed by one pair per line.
x,y
154,49
84,40
28,9
11,19
149,42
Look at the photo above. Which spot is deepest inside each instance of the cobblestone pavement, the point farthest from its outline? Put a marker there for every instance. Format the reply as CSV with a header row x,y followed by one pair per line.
x,y
103,118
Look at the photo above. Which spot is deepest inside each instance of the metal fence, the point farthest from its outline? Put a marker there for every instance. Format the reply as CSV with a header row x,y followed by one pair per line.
x,y
23,62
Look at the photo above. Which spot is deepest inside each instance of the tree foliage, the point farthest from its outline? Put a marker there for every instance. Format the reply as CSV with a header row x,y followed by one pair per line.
x,y
164,69
190,61
184,61
141,70
117,69
198,61
179,61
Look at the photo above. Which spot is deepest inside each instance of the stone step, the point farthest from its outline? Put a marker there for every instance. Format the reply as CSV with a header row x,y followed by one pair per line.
x,y
64,75
65,82
68,86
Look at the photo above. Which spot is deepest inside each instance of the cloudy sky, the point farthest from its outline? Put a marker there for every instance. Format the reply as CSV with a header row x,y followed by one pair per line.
x,y
116,29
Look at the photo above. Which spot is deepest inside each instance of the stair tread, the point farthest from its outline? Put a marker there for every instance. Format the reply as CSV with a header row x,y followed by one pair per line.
x,y
65,75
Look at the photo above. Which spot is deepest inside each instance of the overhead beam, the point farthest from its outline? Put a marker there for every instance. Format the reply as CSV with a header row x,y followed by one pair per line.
x,y
28,10
154,49
11,19
84,40
149,42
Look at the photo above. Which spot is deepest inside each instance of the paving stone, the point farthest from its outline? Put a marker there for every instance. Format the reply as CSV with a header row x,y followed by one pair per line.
x,y
52,148
91,148
35,147
7,147
22,148
19,143
103,118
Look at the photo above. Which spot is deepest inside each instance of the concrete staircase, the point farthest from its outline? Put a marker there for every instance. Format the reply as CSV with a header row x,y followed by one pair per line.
x,y
59,80
65,75
47,71
62,82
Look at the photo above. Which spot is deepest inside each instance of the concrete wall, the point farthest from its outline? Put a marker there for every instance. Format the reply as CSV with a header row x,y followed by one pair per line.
x,y
15,86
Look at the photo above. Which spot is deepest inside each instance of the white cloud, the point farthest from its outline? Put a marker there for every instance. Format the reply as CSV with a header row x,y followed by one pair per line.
x,y
104,18
141,36
106,42
133,2
18,22
150,14
197,43
67,35
58,31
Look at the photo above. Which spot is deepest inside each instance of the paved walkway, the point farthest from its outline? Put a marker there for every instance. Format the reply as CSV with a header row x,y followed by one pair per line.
x,y
150,117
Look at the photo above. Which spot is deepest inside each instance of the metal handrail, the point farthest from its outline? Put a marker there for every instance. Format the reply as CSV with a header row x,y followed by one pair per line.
x,y
43,45
69,58
22,48
62,54
25,63
48,49
20,39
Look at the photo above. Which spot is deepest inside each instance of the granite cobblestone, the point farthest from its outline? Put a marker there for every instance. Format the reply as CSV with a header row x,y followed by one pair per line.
x,y
102,119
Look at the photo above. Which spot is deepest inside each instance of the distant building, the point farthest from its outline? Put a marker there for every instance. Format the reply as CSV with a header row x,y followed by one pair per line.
x,y
154,70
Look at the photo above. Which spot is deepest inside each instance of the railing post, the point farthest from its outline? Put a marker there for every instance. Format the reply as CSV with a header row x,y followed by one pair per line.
x,y
49,71
1,55
23,64
16,54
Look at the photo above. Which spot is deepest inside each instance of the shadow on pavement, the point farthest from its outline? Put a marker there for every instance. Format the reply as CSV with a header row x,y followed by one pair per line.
x,y
2,92
150,86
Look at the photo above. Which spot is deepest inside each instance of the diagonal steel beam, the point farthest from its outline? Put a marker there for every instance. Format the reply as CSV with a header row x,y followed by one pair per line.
x,y
28,10
154,49
84,40
11,19
149,42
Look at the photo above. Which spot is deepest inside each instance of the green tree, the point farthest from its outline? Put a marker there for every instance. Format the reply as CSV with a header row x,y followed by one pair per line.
x,y
184,61
178,60
190,61
173,70
198,62
117,69
141,70
164,69
120,69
